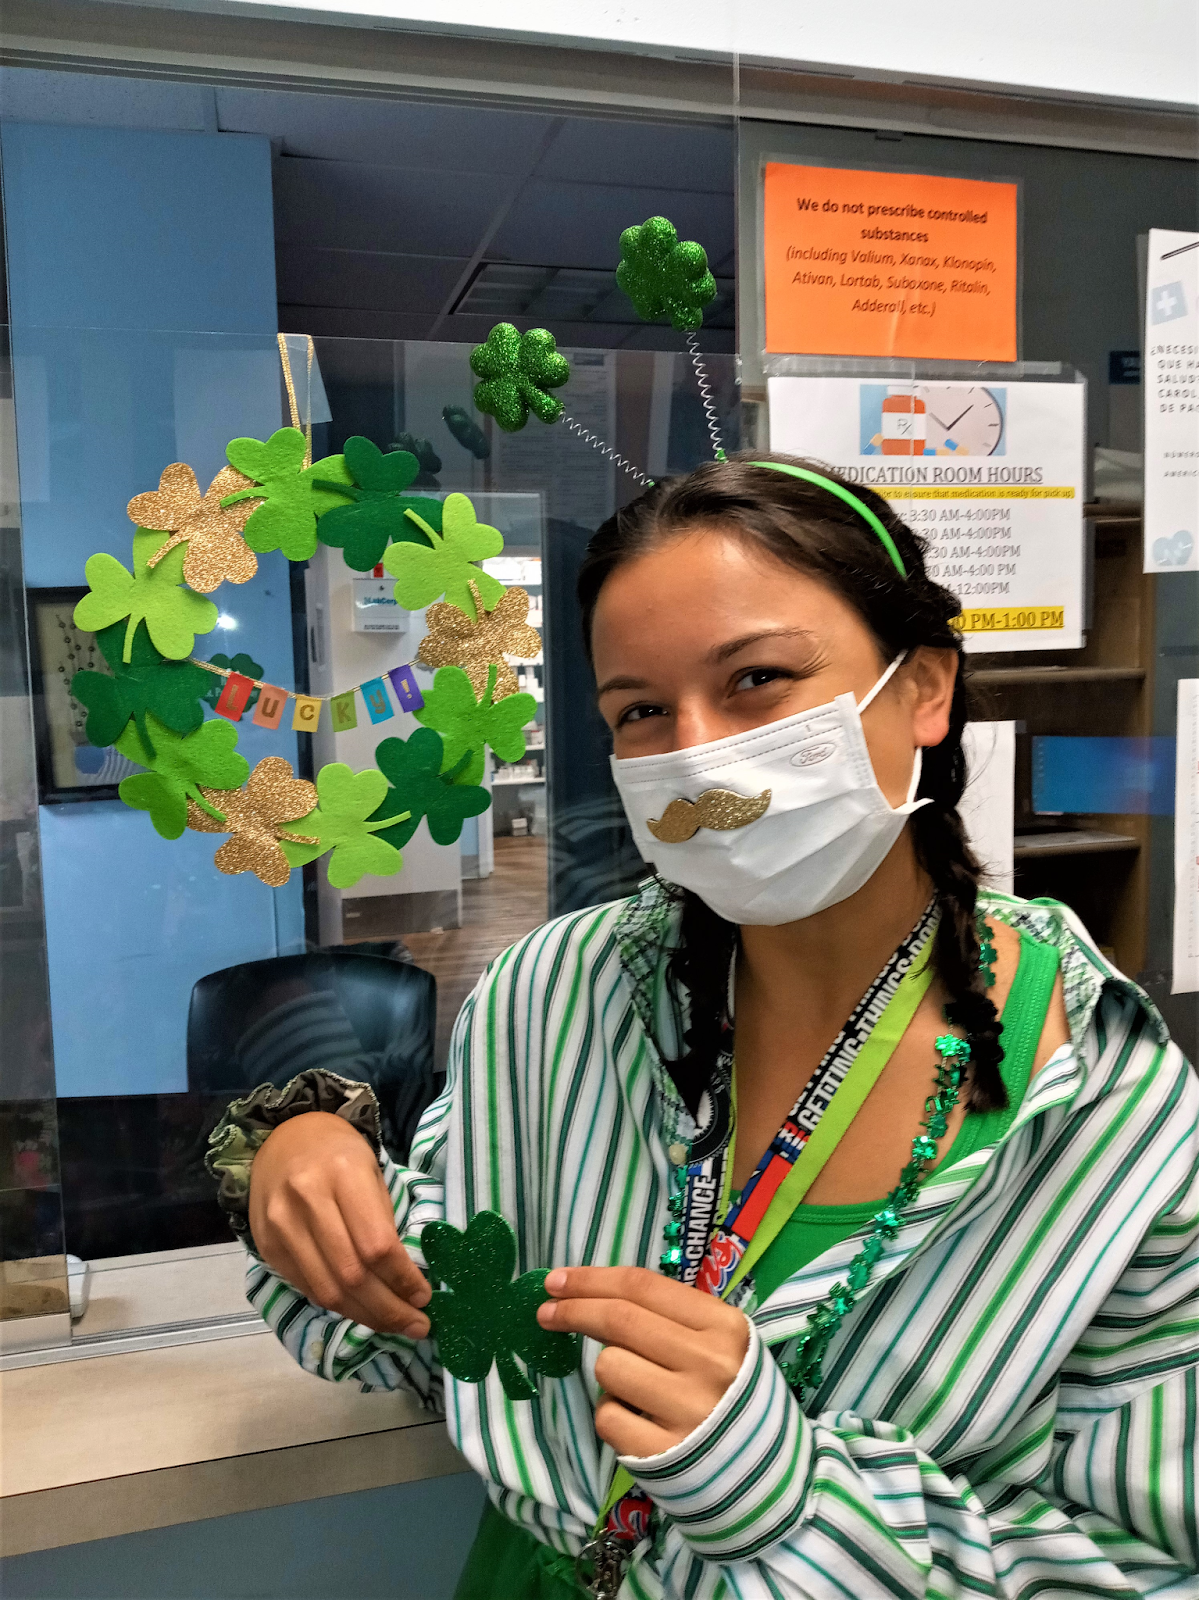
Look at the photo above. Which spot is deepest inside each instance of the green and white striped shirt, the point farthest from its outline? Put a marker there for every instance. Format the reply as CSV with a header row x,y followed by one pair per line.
x,y
1012,1408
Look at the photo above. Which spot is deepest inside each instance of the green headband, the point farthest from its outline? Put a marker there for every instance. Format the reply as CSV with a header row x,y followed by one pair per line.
x,y
851,499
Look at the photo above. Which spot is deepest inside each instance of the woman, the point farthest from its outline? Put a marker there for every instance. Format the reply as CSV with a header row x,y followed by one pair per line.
x,y
883,1296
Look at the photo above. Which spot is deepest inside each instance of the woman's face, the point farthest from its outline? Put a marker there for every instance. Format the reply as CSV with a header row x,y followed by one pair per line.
x,y
707,636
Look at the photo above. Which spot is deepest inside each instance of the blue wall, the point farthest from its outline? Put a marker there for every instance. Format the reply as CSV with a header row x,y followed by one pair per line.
x,y
142,294
408,1542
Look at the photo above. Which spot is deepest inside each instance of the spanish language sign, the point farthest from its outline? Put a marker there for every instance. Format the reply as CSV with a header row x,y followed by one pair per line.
x,y
861,263
1186,841
1171,389
992,476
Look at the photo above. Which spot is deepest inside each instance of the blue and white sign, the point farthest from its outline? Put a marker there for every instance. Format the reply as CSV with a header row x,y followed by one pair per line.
x,y
1171,386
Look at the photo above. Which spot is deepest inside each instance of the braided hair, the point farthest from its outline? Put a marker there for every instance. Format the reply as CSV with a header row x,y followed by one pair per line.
x,y
806,527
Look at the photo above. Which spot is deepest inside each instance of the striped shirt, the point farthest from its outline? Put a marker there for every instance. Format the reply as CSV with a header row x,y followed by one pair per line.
x,y
1011,1409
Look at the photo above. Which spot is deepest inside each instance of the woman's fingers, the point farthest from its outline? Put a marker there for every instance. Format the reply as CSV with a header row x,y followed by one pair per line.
x,y
628,1434
618,1322
358,1290
365,1206
321,1217
676,1301
673,1400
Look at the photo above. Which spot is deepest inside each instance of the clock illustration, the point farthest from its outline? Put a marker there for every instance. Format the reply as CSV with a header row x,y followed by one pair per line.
x,y
961,420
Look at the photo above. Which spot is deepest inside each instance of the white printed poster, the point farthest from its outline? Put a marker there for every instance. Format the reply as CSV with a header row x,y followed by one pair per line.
x,y
1171,388
988,804
992,475
1186,841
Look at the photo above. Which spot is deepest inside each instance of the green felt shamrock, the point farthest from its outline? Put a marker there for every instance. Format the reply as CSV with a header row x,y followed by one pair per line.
x,y
364,528
423,574
466,724
427,458
420,788
482,1316
346,800
292,499
518,370
662,275
172,690
178,768
246,665
173,615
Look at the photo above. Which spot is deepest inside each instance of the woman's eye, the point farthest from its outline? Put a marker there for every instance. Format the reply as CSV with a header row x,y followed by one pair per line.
x,y
757,676
639,713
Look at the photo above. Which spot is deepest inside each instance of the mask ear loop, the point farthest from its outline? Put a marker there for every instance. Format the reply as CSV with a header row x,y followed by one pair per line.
x,y
918,760
884,680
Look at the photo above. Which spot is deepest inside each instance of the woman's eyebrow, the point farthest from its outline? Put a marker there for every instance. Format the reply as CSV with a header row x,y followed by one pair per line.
x,y
722,652
621,683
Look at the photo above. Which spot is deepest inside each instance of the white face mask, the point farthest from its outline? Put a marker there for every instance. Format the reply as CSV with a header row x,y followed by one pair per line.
x,y
790,817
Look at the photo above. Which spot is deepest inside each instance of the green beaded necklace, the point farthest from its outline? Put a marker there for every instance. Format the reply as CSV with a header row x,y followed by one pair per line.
x,y
804,1369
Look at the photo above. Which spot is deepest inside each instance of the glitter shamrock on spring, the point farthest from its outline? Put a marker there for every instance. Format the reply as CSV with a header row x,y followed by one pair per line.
x,y
518,371
665,276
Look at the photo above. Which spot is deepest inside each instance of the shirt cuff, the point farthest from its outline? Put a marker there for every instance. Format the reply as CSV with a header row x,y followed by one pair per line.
x,y
737,1483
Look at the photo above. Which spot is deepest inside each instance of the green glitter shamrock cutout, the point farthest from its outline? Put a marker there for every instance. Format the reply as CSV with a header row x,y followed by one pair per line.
x,y
423,574
421,789
364,528
346,800
518,370
172,690
246,665
173,615
466,724
482,1316
178,768
665,276
291,498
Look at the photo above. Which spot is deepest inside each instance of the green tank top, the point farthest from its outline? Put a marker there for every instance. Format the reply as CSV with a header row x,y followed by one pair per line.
x,y
811,1230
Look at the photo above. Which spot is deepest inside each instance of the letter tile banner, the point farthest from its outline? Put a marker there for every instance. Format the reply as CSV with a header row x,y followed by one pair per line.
x,y
865,263
307,714
345,716
377,704
234,697
403,681
272,702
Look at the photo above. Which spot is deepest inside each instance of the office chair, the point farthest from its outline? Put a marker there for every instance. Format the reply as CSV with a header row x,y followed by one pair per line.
x,y
365,1017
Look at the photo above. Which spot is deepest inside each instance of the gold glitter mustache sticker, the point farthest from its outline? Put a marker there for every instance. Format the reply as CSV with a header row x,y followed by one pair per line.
x,y
719,809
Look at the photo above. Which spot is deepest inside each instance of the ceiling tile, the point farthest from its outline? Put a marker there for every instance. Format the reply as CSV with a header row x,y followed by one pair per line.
x,y
579,225
381,208
311,275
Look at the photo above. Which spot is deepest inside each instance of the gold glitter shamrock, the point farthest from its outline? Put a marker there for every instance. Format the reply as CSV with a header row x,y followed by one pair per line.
x,y
215,547
255,816
453,640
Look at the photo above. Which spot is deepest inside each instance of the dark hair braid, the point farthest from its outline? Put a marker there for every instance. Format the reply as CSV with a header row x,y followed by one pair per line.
x,y
806,527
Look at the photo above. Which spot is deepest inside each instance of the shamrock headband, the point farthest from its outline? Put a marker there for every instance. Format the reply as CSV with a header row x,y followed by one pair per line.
x,y
851,499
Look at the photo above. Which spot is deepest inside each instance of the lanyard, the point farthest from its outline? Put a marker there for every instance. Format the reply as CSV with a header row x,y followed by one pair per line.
x,y
717,1235
899,989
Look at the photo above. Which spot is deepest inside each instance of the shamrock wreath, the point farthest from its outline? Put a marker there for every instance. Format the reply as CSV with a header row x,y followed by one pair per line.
x,y
151,702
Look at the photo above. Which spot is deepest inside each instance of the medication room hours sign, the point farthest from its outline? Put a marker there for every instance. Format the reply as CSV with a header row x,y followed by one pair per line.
x,y
991,475
864,263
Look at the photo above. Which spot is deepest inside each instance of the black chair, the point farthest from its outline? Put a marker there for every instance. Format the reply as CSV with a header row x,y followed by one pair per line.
x,y
367,1017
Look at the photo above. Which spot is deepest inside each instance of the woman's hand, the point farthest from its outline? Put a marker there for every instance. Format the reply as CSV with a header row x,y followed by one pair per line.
x,y
321,1217
669,1353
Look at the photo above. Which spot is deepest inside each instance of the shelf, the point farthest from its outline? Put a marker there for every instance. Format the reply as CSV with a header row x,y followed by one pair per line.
x,y
1078,842
998,677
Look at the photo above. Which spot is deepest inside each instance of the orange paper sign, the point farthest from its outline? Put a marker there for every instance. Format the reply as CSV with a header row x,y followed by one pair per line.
x,y
889,264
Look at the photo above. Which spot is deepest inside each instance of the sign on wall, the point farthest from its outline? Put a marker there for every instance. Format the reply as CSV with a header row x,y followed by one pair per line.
x,y
1171,388
1186,841
992,475
864,263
